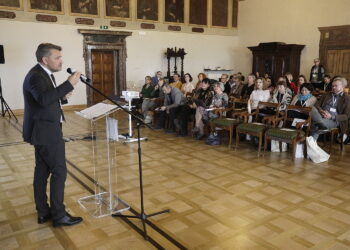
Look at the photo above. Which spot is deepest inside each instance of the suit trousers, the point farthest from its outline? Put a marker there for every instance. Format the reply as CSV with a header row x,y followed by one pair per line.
x,y
50,159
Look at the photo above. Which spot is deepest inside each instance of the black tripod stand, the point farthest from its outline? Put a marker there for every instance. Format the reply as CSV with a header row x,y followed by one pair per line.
x,y
142,216
4,106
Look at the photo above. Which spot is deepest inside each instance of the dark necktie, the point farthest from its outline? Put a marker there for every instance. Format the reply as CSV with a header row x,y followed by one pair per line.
x,y
54,82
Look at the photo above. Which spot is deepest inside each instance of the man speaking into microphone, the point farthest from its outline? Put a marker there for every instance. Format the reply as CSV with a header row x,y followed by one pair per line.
x,y
42,127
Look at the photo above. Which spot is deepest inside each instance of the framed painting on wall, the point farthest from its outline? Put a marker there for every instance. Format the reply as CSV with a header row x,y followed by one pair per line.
x,y
174,11
147,10
84,8
235,14
117,8
198,12
11,4
219,13
48,6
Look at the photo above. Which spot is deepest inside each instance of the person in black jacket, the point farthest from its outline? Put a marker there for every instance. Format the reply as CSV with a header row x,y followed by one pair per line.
x,y
42,125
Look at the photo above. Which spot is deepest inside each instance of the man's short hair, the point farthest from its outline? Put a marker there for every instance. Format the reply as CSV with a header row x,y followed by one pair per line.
x,y
342,80
44,49
166,85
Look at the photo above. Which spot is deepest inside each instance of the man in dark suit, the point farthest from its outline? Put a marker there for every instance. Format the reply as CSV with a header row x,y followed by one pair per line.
x,y
42,125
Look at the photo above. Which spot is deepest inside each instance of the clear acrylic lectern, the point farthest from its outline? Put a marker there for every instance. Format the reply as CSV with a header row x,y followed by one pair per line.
x,y
104,135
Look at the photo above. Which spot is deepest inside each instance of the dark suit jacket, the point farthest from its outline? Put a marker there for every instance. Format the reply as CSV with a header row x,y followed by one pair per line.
x,y
42,111
343,109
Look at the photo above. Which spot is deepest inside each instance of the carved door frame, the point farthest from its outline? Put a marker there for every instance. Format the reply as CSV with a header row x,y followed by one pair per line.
x,y
108,41
333,38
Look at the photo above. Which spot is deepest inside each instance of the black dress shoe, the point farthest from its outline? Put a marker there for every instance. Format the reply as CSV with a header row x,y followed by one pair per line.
x,y
43,219
67,220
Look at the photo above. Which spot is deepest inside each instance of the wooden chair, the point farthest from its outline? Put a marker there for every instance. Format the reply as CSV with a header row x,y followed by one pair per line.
x,y
289,134
333,133
232,119
259,124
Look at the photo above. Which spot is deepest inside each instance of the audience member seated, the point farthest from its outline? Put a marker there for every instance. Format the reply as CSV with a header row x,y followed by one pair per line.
x,y
258,95
305,97
301,80
200,103
201,77
173,100
239,74
157,91
236,87
187,87
224,82
282,96
220,100
332,110
290,84
147,102
324,86
248,87
176,81
156,78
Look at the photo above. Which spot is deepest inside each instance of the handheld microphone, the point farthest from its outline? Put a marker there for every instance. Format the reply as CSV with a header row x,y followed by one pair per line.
x,y
82,77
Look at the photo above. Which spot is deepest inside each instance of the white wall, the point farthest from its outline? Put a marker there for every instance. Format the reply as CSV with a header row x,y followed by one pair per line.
x,y
289,21
145,54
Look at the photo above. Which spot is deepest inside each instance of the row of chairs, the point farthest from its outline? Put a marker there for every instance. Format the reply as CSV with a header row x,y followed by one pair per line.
x,y
265,125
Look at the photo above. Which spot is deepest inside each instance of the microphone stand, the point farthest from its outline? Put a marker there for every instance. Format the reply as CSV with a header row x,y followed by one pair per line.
x,y
4,106
142,216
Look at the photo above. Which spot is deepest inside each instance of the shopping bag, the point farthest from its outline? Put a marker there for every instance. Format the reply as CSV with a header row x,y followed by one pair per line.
x,y
275,146
314,152
299,151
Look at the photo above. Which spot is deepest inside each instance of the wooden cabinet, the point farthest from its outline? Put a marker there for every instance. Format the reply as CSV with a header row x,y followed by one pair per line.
x,y
276,59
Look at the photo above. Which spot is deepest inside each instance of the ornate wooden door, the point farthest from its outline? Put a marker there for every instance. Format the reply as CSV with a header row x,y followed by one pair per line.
x,y
103,74
338,62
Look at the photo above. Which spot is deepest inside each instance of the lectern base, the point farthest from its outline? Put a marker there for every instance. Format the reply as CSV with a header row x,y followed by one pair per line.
x,y
103,204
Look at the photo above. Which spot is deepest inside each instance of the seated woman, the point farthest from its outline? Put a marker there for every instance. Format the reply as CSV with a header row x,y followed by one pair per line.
x,y
258,95
187,87
249,87
220,100
282,96
290,84
301,80
201,77
147,102
202,101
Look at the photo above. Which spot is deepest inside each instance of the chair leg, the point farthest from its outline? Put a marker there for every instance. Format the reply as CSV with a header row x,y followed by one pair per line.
x,y
331,143
237,139
265,145
260,143
294,145
230,139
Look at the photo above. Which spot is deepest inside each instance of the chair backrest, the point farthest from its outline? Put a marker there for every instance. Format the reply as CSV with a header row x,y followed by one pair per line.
x,y
238,103
265,109
292,111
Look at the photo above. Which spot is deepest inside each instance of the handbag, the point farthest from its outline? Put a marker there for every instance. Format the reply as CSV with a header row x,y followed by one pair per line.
x,y
314,152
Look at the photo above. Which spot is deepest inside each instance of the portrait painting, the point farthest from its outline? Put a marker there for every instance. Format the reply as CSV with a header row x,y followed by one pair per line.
x,y
174,11
50,6
198,12
11,4
117,8
220,13
84,7
147,10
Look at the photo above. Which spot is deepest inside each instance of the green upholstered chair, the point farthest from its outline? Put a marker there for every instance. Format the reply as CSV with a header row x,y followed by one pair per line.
x,y
232,119
291,133
259,125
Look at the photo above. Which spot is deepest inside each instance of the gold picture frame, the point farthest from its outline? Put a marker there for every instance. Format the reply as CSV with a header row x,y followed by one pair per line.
x,y
11,4
87,8
117,9
145,15
46,6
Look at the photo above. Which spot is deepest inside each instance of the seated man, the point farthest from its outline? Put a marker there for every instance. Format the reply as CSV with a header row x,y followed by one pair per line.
x,y
176,83
173,100
332,110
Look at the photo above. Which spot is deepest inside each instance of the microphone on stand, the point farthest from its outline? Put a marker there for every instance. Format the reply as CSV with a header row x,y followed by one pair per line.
x,y
83,78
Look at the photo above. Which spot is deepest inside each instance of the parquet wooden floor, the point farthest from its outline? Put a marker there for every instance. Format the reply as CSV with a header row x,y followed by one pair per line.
x,y
219,198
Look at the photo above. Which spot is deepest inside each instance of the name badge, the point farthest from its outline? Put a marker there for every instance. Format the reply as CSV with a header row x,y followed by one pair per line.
x,y
333,110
